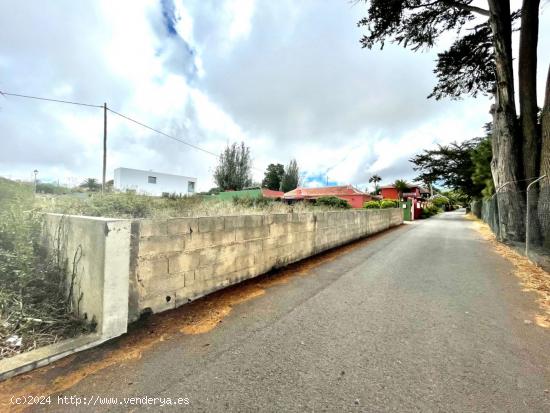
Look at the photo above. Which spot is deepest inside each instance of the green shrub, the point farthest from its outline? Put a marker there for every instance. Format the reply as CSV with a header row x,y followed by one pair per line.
x,y
430,210
333,202
440,201
53,189
389,203
252,201
372,205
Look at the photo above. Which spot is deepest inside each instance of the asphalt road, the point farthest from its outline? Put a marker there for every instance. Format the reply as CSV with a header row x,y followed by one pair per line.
x,y
423,318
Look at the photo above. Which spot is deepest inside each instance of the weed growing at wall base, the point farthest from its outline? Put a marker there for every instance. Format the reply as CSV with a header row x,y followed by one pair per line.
x,y
34,309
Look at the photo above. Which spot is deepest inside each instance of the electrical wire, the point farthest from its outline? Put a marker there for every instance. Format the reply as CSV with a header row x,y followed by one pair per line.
x,y
50,100
162,133
122,116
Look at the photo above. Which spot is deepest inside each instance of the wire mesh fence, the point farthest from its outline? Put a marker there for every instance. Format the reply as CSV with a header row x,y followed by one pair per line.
x,y
520,217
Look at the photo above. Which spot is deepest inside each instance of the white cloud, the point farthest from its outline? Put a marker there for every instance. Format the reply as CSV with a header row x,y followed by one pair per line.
x,y
289,78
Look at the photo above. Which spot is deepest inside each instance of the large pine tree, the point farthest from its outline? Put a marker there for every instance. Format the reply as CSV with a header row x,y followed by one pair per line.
x,y
480,61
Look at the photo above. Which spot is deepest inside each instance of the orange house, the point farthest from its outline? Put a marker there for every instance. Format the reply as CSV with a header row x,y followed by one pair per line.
x,y
417,195
416,192
355,197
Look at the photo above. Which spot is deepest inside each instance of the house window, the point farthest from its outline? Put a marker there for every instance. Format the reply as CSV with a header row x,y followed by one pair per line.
x,y
152,179
190,187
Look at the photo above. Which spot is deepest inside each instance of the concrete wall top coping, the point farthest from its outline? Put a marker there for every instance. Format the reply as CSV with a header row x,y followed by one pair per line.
x,y
357,210
89,218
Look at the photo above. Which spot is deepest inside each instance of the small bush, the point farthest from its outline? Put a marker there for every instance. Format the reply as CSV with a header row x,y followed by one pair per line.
x,y
44,188
333,202
440,201
372,205
252,202
429,211
389,203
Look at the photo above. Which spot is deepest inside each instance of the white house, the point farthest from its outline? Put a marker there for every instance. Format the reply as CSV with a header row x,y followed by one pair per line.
x,y
153,183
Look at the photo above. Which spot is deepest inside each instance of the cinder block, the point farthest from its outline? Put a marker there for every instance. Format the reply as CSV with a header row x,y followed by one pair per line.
x,y
228,252
160,245
252,221
279,218
234,222
204,274
158,303
199,240
148,268
151,228
211,224
244,234
221,269
271,242
180,226
183,262
166,285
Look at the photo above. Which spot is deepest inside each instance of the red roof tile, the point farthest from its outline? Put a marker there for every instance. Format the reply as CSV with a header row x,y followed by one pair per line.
x,y
300,193
269,193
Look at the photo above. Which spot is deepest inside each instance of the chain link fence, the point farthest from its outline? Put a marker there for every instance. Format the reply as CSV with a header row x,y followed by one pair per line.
x,y
521,218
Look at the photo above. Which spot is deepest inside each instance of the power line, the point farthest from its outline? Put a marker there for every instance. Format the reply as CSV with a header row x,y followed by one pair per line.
x,y
50,100
168,136
122,116
162,133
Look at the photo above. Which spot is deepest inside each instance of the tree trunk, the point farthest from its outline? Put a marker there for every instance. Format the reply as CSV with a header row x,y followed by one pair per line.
x,y
544,184
506,150
529,109
528,87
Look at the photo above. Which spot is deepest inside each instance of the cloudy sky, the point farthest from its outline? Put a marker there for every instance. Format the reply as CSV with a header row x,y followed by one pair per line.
x,y
287,77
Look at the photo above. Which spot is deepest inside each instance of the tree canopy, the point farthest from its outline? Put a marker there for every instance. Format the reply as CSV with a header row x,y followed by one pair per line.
x,y
234,168
464,167
480,61
273,176
291,176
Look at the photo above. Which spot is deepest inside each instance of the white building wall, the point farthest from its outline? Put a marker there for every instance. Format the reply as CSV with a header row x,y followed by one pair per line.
x,y
153,183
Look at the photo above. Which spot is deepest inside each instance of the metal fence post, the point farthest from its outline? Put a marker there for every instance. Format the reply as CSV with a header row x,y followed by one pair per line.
x,y
528,215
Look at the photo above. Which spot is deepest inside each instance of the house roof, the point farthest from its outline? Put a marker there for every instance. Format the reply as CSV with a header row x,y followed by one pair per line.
x,y
422,189
343,190
269,193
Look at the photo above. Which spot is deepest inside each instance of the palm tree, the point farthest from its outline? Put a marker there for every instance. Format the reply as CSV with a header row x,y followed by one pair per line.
x,y
401,185
91,184
375,178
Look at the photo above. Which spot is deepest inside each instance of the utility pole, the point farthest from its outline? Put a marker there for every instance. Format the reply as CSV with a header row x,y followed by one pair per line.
x,y
35,179
104,146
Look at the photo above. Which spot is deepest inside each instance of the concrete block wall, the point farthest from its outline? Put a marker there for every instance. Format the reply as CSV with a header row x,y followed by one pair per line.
x,y
96,254
176,260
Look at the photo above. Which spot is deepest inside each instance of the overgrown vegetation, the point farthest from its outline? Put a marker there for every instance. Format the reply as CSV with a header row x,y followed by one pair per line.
x,y
388,203
372,205
332,202
34,310
430,210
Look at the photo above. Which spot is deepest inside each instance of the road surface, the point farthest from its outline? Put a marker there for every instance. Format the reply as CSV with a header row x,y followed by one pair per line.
x,y
426,317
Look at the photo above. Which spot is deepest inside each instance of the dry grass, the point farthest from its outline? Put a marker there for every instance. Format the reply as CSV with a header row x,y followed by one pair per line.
x,y
127,205
532,277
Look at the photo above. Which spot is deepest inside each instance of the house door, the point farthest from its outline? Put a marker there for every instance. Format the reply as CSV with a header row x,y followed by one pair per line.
x,y
407,209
